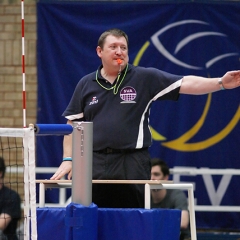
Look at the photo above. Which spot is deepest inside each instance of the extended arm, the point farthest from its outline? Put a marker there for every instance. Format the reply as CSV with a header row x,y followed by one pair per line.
x,y
184,219
66,166
199,85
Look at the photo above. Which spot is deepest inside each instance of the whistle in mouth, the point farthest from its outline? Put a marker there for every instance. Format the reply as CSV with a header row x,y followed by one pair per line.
x,y
119,61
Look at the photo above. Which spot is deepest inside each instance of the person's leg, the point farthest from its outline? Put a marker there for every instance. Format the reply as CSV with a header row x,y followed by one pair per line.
x,y
106,166
131,166
137,167
99,191
115,196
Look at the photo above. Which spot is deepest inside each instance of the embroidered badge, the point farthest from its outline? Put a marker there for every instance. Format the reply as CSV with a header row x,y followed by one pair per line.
x,y
128,94
94,101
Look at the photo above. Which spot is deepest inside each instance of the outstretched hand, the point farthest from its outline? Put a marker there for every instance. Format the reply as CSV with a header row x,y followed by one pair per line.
x,y
231,79
64,168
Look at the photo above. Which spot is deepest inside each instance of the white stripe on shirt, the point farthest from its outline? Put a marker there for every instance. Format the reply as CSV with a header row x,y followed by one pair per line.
x,y
163,92
73,117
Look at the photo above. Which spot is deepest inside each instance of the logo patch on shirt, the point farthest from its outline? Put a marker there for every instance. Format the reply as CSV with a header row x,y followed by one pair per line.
x,y
128,94
94,101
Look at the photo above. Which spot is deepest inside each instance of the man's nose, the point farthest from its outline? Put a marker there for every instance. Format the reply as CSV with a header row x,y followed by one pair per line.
x,y
118,50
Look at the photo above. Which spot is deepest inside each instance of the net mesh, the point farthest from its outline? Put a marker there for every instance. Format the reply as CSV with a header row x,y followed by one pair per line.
x,y
16,202
11,151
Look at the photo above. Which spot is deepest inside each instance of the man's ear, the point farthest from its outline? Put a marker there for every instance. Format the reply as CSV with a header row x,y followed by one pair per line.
x,y
166,177
99,51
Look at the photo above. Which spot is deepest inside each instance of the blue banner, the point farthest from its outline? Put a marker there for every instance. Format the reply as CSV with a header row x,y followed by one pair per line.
x,y
184,39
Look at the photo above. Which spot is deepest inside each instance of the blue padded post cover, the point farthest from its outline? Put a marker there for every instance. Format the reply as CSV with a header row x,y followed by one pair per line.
x,y
90,223
50,223
138,224
81,222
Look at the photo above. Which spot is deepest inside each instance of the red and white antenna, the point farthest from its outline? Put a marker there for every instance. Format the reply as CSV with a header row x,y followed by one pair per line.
x,y
23,67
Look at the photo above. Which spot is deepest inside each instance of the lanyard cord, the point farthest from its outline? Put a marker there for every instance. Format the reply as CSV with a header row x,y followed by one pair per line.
x,y
115,87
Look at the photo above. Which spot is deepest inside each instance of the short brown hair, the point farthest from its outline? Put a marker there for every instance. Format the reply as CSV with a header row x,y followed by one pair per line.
x,y
114,32
2,167
163,165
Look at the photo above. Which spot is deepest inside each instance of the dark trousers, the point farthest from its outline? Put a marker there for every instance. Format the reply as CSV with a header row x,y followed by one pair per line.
x,y
120,166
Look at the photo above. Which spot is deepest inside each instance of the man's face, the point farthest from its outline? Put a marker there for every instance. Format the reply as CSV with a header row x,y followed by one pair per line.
x,y
156,173
114,48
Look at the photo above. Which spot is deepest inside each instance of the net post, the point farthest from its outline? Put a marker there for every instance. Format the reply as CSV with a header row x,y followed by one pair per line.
x,y
82,163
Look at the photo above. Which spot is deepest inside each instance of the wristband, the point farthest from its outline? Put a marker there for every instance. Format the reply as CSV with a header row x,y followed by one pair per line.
x,y
221,84
67,159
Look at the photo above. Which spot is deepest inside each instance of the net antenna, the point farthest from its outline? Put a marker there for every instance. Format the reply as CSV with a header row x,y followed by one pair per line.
x,y
23,67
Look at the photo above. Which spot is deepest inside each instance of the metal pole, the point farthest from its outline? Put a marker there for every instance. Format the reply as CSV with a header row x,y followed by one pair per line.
x,y
82,163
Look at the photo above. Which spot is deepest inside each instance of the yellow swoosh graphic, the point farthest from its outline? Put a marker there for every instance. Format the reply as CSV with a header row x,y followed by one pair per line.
x,y
157,136
181,145
140,53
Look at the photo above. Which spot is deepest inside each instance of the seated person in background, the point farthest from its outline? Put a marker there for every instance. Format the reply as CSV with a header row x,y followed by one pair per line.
x,y
10,208
169,198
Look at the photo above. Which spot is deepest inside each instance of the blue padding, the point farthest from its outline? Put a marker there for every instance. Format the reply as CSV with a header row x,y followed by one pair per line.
x,y
81,222
52,129
50,223
73,221
139,224
112,224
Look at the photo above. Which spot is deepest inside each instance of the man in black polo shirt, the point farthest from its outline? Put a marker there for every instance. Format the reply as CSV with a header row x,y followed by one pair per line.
x,y
10,208
117,98
169,198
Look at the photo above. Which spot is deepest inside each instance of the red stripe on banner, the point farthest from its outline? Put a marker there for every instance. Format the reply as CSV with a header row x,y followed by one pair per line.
x,y
23,63
24,99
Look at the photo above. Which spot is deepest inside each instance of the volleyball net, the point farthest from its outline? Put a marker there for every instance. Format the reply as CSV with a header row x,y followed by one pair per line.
x,y
17,148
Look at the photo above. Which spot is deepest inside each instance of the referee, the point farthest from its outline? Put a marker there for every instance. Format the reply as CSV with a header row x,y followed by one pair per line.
x,y
117,98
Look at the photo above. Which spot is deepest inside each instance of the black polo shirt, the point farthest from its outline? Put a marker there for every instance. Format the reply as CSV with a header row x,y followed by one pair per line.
x,y
10,203
120,115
